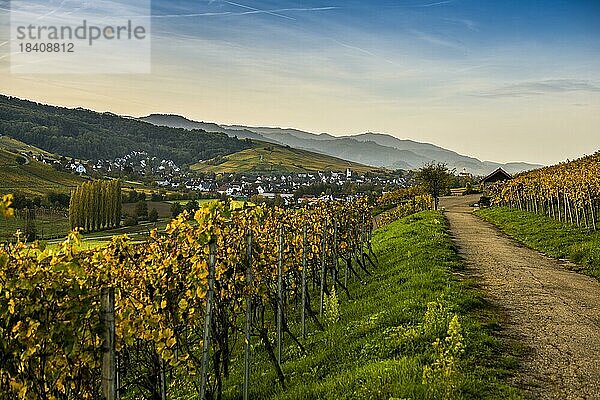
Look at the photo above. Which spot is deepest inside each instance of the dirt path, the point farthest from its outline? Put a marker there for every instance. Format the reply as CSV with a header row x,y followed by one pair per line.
x,y
554,312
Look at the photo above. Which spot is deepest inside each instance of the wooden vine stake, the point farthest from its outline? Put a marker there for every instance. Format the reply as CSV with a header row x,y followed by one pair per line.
x,y
362,241
248,319
303,312
323,268
109,371
163,380
334,276
212,260
280,296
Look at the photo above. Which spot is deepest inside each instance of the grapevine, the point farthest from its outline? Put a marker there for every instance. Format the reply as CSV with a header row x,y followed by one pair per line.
x,y
569,191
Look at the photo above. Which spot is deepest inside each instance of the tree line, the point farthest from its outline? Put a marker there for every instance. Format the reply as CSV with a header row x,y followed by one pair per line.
x,y
89,135
96,205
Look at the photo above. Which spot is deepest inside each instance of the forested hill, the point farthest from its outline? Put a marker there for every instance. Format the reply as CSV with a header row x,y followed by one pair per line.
x,y
91,135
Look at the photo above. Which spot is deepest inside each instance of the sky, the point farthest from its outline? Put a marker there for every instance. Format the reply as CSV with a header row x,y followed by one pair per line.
x,y
497,80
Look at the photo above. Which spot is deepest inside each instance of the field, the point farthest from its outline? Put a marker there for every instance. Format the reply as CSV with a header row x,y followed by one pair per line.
x,y
33,178
269,158
162,207
47,227
55,228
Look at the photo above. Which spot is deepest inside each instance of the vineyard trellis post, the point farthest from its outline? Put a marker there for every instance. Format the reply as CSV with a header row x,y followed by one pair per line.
x,y
592,210
163,380
117,376
303,312
355,250
362,240
280,295
323,267
212,260
334,255
109,370
248,318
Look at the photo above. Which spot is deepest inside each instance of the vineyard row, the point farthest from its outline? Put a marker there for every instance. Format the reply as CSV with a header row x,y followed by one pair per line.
x,y
172,309
568,192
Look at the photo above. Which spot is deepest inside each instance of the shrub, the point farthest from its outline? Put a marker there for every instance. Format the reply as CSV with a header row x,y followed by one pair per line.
x,y
153,215
141,209
176,209
130,220
331,308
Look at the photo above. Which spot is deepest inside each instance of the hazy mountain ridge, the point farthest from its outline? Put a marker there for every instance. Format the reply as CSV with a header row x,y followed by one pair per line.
x,y
375,149
177,121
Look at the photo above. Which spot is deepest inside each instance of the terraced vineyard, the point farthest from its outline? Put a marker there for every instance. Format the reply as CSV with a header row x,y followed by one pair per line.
x,y
267,157
32,178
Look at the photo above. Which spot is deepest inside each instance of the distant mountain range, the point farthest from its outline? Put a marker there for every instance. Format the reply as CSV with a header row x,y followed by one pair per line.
x,y
90,135
374,149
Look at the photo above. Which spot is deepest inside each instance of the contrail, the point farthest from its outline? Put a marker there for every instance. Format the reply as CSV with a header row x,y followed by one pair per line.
x,y
53,11
225,13
439,3
364,51
206,14
256,9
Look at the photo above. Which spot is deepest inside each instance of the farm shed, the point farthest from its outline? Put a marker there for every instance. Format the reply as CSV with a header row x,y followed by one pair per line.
x,y
496,176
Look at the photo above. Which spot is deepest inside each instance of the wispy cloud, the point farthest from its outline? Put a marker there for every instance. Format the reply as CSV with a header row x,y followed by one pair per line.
x,y
274,12
467,23
438,40
364,51
438,3
538,88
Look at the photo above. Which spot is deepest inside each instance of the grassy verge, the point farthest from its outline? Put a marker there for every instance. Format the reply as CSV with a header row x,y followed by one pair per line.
x,y
46,227
554,238
383,345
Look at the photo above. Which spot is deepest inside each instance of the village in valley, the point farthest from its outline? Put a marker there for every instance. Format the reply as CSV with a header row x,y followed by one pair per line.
x,y
165,175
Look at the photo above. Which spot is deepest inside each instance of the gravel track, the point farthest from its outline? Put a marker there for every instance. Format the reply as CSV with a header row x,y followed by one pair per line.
x,y
554,312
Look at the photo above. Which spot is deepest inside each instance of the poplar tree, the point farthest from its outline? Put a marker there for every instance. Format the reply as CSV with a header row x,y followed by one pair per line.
x,y
72,209
118,203
96,205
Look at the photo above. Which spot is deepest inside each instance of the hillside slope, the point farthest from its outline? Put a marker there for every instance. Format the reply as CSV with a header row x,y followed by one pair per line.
x,y
33,178
90,135
271,158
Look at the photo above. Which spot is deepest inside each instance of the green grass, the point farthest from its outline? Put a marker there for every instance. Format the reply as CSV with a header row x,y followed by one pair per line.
x,y
382,343
269,158
554,238
54,230
234,203
47,227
